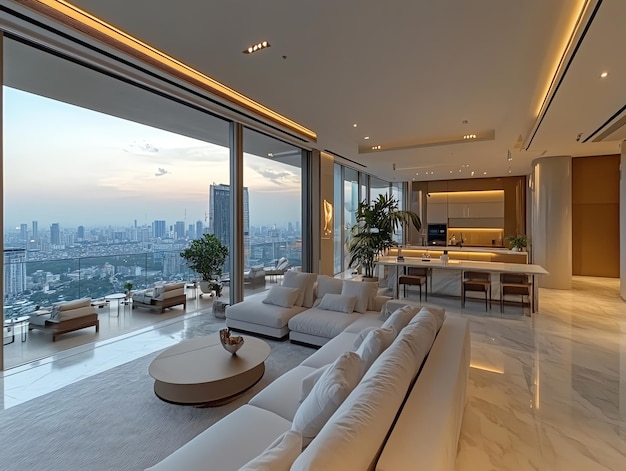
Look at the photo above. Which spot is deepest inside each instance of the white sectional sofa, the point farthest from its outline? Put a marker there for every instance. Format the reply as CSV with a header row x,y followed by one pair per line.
x,y
404,413
311,318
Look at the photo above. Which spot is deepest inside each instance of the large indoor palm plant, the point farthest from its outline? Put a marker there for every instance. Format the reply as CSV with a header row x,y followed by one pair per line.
x,y
373,232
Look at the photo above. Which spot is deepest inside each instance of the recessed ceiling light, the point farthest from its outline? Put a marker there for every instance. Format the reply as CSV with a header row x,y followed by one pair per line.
x,y
417,173
375,147
354,125
269,154
472,173
366,138
450,171
469,136
604,74
484,173
256,47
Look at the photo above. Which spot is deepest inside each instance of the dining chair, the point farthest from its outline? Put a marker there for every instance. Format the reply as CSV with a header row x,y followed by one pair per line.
x,y
514,284
476,281
415,276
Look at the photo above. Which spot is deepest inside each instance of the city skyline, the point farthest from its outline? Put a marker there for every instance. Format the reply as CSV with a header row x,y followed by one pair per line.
x,y
98,169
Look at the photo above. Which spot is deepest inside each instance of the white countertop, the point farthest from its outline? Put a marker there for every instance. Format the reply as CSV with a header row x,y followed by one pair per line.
x,y
456,248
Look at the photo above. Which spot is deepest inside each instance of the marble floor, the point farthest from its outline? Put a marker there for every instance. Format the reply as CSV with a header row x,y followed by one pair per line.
x,y
544,393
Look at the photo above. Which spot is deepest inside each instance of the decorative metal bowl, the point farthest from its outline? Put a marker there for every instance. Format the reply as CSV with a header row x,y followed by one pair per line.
x,y
231,343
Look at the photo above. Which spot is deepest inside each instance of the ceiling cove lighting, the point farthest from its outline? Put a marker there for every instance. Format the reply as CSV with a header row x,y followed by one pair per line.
x,y
79,20
376,147
256,47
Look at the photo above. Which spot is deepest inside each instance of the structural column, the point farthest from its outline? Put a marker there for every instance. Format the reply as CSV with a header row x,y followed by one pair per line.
x,y
551,236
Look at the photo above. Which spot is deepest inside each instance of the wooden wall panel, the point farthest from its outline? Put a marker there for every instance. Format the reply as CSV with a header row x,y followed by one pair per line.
x,y
595,216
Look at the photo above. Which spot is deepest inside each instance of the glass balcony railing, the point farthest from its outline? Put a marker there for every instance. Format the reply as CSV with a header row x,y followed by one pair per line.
x,y
30,284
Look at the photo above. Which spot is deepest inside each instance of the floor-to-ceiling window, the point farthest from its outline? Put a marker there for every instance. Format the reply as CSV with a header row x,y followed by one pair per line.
x,y
272,208
106,182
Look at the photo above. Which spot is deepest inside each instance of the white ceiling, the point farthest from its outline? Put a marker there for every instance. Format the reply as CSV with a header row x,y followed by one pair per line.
x,y
406,72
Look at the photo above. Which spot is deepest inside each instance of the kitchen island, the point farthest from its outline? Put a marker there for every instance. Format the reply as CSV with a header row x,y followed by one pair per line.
x,y
445,277
455,252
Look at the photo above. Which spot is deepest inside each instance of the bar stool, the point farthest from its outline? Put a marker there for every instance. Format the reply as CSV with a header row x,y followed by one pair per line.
x,y
415,277
514,284
476,281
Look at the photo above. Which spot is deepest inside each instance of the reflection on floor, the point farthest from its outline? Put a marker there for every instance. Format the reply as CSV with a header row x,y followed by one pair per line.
x,y
546,392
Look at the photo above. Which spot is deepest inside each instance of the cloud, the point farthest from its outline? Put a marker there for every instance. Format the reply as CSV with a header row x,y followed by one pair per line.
x,y
141,148
160,172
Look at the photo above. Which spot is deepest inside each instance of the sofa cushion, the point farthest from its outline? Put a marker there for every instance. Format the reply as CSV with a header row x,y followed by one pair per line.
x,y
303,281
365,417
332,349
374,343
379,303
364,291
321,323
329,392
172,293
229,443
400,317
369,319
76,313
279,456
282,296
253,311
309,381
338,303
144,297
328,285
282,396
173,286
439,313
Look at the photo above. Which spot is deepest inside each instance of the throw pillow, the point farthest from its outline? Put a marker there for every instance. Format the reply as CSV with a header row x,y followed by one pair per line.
x,y
279,455
364,291
55,313
400,317
361,336
328,285
338,302
303,281
439,313
379,302
309,381
282,296
329,392
373,345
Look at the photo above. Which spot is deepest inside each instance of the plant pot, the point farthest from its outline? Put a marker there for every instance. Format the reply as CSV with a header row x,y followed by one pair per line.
x,y
370,279
205,287
219,309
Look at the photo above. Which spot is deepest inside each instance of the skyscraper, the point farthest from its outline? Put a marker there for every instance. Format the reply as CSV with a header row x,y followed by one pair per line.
x,y
179,230
35,230
14,272
55,234
199,229
158,229
80,233
24,232
219,217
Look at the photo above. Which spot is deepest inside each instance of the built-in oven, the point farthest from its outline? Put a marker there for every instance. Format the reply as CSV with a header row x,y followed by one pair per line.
x,y
437,234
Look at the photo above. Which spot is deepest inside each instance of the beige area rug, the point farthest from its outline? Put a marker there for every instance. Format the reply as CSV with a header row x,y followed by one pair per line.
x,y
113,421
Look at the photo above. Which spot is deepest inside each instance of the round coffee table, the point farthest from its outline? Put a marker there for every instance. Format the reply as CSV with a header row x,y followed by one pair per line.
x,y
201,371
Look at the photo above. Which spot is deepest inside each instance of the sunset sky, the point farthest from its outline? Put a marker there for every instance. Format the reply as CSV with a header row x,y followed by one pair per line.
x,y
78,167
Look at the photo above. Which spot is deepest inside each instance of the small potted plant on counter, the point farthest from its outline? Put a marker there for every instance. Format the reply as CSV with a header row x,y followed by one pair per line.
x,y
518,242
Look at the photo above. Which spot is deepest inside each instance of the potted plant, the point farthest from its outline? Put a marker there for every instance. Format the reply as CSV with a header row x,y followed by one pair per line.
x,y
518,242
372,234
206,256
128,287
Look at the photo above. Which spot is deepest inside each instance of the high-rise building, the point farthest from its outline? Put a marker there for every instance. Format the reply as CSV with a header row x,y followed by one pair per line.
x,y
55,234
191,231
80,233
35,230
199,229
219,217
23,232
158,229
14,272
179,230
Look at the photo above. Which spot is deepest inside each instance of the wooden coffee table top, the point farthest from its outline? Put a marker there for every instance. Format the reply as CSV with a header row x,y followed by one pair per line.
x,y
204,360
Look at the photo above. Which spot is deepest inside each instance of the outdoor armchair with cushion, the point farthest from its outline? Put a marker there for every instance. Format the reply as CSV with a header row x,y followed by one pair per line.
x,y
254,278
161,297
66,317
